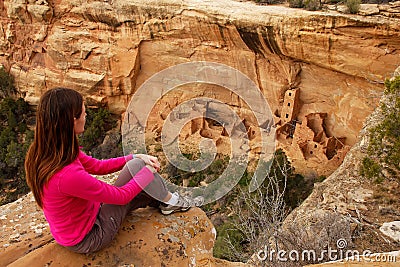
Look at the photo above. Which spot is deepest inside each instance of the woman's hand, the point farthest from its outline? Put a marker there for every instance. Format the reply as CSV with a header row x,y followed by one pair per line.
x,y
149,160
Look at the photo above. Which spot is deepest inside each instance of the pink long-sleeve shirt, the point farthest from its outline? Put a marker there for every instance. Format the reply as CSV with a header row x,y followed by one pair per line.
x,y
72,197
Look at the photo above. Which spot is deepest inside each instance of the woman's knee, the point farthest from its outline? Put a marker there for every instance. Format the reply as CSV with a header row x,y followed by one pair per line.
x,y
135,164
130,169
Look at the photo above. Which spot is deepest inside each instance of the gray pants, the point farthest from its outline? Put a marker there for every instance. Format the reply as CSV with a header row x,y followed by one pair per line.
x,y
110,217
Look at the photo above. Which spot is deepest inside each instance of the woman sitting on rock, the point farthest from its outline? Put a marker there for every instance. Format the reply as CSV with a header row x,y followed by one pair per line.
x,y
83,212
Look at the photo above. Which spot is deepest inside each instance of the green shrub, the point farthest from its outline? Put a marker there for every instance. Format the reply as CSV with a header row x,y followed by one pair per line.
x,y
98,122
384,145
228,232
296,3
246,178
7,87
392,87
370,169
15,138
295,187
353,6
320,179
312,4
269,1
211,173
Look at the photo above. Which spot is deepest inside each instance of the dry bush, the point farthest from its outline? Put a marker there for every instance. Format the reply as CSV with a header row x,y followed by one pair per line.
x,y
259,215
259,227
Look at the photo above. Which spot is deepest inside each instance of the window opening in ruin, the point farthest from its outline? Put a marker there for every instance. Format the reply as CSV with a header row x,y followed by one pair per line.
x,y
287,116
288,104
292,128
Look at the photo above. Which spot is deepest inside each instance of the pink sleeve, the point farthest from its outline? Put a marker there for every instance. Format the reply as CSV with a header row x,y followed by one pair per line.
x,y
95,166
79,183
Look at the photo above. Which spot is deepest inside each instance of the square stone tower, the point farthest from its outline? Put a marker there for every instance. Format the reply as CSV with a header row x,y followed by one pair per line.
x,y
291,105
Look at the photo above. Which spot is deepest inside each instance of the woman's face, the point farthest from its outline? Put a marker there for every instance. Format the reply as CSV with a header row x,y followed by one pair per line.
x,y
79,123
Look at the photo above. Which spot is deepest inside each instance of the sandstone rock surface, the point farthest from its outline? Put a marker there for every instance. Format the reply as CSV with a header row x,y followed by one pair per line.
x,y
146,238
392,230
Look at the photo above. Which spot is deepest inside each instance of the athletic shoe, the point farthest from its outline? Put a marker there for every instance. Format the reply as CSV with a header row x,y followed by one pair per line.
x,y
183,204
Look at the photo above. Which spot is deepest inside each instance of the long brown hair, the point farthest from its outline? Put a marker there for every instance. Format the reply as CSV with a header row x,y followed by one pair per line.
x,y
55,144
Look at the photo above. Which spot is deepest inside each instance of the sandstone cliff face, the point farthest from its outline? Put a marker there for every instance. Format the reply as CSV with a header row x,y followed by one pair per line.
x,y
107,49
146,238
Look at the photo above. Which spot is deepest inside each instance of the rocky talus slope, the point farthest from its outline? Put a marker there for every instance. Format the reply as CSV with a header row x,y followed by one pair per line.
x,y
107,49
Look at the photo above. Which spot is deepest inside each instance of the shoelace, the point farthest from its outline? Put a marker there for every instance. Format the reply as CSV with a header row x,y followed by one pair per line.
x,y
183,202
198,201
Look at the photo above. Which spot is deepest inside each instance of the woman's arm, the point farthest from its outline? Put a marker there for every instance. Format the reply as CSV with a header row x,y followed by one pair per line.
x,y
100,167
78,183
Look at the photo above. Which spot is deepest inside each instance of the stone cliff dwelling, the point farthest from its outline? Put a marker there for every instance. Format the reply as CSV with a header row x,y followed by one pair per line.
x,y
307,136
106,51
